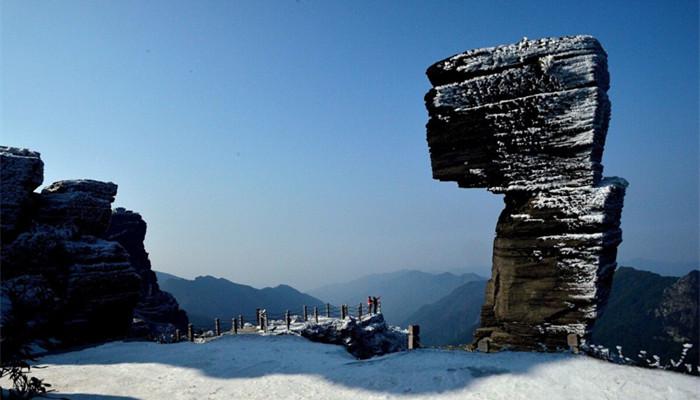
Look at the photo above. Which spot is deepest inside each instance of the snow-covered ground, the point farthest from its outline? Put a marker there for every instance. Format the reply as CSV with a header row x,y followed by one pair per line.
x,y
290,367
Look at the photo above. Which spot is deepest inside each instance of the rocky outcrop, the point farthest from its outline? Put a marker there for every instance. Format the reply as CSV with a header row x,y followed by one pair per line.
x,y
529,121
157,313
84,203
363,338
21,172
61,278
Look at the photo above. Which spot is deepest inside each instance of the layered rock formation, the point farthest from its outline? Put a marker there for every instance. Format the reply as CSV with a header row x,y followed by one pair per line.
x,y
529,121
62,276
157,312
22,171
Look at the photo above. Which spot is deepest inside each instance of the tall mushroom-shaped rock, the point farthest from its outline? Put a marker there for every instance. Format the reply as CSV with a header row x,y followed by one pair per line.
x,y
529,121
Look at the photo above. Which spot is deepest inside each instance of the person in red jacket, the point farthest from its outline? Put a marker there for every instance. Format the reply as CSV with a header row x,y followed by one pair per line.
x,y
369,304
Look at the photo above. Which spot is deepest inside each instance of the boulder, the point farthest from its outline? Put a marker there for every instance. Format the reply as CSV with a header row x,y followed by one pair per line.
x,y
366,337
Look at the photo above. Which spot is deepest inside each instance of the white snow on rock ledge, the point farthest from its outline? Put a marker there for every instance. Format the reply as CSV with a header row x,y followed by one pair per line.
x,y
289,367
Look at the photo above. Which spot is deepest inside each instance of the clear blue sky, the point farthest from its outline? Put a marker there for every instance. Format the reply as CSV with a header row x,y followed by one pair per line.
x,y
284,141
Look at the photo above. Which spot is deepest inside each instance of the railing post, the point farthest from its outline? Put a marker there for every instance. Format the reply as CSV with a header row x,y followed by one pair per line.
x,y
287,319
484,345
190,332
572,340
265,320
257,317
177,335
306,314
359,311
413,337
328,310
316,314
217,327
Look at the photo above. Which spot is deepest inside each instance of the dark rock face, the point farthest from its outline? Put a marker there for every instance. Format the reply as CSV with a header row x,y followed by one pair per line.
x,y
84,203
157,312
529,120
364,338
60,277
21,172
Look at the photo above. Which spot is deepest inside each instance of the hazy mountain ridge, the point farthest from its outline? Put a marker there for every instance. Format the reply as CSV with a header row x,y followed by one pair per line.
x,y
402,292
661,267
162,276
645,310
207,297
452,319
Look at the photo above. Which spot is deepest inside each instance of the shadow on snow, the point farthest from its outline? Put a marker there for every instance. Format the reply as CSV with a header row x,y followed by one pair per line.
x,y
251,356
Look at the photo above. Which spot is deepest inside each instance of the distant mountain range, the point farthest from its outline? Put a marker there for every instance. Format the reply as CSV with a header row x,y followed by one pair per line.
x,y
206,298
402,292
645,311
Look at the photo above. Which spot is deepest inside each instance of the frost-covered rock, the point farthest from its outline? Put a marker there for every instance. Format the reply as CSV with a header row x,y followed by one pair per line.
x,y
364,338
60,275
157,313
527,116
529,120
21,171
84,203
